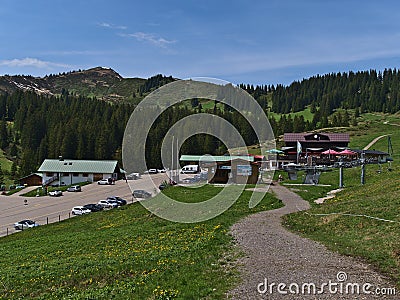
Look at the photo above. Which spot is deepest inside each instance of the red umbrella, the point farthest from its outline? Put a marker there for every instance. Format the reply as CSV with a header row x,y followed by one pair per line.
x,y
347,152
330,151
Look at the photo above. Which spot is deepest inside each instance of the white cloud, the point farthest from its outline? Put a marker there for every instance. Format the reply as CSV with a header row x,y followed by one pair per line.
x,y
150,38
112,26
31,62
76,52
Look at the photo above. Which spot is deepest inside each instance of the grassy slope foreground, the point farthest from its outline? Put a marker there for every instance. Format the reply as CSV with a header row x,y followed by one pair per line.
x,y
125,253
374,240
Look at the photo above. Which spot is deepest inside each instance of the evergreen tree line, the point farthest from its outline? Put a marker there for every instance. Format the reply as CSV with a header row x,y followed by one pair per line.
x,y
197,144
368,90
154,82
42,127
35,127
371,91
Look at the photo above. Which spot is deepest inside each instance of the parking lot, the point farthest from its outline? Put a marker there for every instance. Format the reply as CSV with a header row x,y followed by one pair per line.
x,y
42,209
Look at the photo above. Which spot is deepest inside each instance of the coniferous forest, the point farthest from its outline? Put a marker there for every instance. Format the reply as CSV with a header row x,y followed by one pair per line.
x,y
34,127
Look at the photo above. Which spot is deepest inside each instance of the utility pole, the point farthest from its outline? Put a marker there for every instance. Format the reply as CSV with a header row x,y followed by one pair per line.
x,y
341,174
171,175
177,161
362,168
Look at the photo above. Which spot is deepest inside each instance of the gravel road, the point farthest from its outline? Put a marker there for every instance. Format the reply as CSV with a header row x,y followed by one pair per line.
x,y
52,209
273,255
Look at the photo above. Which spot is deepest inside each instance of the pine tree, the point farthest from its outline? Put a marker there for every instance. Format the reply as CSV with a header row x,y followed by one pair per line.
x,y
324,122
299,123
3,134
356,112
101,147
14,170
29,162
345,119
13,150
1,176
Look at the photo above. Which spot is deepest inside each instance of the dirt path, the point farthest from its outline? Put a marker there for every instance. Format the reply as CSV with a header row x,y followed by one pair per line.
x,y
275,255
374,141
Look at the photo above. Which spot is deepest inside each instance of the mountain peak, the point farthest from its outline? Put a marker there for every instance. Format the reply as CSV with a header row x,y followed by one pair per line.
x,y
103,71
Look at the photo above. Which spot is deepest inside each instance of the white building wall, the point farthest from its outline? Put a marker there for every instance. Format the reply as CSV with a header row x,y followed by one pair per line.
x,y
73,178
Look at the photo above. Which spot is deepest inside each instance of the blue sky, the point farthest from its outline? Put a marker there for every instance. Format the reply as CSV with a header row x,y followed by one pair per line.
x,y
258,42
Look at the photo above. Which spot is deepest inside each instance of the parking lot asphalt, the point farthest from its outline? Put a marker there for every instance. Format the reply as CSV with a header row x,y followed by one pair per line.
x,y
52,209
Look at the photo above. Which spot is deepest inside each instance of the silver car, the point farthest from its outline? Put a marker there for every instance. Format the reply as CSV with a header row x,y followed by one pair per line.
x,y
56,193
108,203
25,224
80,210
74,188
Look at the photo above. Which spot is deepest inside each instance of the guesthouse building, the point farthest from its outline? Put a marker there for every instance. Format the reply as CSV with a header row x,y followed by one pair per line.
x,y
313,144
71,171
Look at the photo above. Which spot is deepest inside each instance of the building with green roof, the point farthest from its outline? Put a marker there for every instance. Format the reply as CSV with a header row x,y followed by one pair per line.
x,y
240,169
71,171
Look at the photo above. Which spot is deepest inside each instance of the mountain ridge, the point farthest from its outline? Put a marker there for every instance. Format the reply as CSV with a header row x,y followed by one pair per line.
x,y
100,82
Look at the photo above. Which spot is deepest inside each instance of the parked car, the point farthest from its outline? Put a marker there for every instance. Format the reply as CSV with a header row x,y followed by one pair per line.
x,y
188,180
161,170
25,224
108,203
133,176
153,171
80,210
93,207
190,169
57,184
119,200
162,186
74,188
141,194
56,193
105,181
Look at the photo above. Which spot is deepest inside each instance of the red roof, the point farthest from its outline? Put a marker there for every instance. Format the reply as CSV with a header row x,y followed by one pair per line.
x,y
315,137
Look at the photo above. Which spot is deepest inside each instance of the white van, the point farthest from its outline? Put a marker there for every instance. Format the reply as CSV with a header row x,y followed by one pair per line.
x,y
190,169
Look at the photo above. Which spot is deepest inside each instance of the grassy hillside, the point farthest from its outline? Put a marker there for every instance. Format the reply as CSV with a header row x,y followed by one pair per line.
x,y
306,113
376,241
101,83
5,162
6,167
125,253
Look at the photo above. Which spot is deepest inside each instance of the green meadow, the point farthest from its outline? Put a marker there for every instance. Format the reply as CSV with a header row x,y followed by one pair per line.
x,y
126,253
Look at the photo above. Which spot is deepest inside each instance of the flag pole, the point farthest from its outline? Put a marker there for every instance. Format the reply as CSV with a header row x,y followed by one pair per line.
x,y
298,151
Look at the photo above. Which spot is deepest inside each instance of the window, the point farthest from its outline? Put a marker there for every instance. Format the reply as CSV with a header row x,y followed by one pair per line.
x,y
65,174
49,174
85,175
75,174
